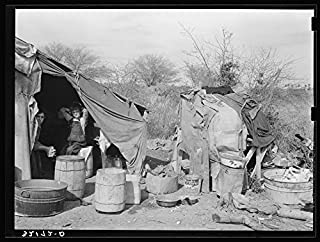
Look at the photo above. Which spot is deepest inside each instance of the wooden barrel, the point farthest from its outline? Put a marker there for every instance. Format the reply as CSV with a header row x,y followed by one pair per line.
x,y
110,192
71,169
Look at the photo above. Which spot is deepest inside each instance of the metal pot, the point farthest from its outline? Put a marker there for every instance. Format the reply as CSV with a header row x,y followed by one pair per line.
x,y
39,197
165,201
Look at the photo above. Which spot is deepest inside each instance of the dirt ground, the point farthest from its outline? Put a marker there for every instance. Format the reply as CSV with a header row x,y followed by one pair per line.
x,y
148,215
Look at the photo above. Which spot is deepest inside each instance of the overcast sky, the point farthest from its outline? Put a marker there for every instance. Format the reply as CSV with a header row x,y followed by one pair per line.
x,y
120,35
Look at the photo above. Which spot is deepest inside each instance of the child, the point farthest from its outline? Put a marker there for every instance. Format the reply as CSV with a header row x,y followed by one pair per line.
x,y
76,117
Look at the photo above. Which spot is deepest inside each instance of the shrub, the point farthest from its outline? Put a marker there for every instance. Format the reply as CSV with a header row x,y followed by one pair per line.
x,y
289,114
162,101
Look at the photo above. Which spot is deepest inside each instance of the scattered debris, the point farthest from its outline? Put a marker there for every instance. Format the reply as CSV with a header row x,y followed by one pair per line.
x,y
156,144
295,214
252,202
294,174
255,185
158,221
189,201
308,207
242,219
271,225
66,225
309,224
161,170
84,203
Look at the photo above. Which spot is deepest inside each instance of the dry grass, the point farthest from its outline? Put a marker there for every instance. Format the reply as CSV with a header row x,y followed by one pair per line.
x,y
294,117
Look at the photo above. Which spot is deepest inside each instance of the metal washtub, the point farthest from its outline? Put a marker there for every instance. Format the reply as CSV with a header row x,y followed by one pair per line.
x,y
39,197
286,192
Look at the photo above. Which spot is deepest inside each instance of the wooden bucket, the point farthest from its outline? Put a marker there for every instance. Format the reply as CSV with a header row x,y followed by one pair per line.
x,y
110,190
71,169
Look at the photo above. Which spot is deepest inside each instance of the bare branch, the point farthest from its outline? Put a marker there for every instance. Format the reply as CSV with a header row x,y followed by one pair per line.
x,y
197,48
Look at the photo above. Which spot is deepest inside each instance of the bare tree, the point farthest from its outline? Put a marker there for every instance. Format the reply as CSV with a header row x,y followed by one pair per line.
x,y
55,50
119,79
264,71
79,59
102,72
215,58
152,70
199,51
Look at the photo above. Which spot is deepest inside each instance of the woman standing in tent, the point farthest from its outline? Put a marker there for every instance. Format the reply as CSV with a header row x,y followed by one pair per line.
x,y
76,116
37,157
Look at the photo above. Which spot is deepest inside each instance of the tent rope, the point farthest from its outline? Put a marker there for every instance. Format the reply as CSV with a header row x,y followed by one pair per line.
x,y
77,79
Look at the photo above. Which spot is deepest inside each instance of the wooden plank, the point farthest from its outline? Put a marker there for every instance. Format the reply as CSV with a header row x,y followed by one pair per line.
x,y
205,167
259,157
179,159
174,160
249,156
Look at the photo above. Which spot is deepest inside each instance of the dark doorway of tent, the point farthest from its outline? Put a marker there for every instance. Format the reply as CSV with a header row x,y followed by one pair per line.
x,y
57,92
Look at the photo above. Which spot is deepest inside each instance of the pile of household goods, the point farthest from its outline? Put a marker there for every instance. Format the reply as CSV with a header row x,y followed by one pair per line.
x,y
301,156
284,192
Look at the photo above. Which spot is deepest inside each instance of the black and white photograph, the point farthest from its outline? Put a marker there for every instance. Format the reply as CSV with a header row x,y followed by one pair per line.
x,y
160,119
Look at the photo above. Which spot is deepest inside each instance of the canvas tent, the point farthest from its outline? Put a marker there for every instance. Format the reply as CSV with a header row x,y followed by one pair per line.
x,y
214,129
40,80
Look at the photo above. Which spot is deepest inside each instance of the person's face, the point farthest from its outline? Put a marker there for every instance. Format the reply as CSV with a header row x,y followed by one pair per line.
x,y
76,113
40,118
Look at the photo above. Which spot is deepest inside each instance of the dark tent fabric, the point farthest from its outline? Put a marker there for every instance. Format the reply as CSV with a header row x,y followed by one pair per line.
x,y
252,115
120,121
223,90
